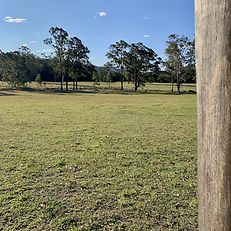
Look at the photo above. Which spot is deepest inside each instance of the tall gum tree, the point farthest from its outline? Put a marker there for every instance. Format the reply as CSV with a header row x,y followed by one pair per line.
x,y
59,42
140,61
213,61
177,54
117,54
78,59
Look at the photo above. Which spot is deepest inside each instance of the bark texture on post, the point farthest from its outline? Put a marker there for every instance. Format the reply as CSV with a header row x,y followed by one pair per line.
x,y
213,53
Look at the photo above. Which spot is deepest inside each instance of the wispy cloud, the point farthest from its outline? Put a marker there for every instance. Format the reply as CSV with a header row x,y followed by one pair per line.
x,y
102,14
33,41
147,36
14,20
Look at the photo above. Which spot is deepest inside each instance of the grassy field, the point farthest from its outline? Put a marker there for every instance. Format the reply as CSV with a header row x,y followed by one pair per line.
x,y
150,87
95,161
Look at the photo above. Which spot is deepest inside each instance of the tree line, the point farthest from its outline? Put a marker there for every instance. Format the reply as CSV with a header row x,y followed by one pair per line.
x,y
135,63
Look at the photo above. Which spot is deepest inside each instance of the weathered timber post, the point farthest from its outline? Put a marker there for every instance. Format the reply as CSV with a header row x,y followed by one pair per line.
x,y
213,54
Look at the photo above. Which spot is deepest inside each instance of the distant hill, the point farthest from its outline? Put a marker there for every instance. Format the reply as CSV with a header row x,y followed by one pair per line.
x,y
111,68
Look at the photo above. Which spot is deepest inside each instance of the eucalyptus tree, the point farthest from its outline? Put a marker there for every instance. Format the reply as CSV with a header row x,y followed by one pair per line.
x,y
59,42
177,56
102,73
190,69
33,63
95,78
170,72
2,58
38,79
109,78
87,72
77,58
117,55
139,61
13,69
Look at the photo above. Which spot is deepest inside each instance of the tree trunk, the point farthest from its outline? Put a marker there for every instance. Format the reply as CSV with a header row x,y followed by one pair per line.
x,y
55,78
61,82
172,84
66,82
76,84
213,54
136,86
122,78
178,82
73,85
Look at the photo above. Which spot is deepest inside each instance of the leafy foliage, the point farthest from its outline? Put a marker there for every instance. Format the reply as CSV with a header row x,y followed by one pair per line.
x,y
59,42
117,55
109,77
77,57
141,61
38,79
180,58
13,68
70,52
132,62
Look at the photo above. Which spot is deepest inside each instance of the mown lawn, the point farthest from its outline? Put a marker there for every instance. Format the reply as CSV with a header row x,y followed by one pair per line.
x,y
88,161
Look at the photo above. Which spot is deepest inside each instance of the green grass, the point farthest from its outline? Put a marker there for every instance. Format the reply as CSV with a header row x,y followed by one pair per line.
x,y
150,87
88,161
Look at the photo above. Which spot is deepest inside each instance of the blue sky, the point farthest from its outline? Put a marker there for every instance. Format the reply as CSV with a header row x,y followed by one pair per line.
x,y
98,23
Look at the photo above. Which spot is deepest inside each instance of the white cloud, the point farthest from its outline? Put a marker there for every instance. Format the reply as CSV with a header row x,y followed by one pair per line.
x,y
102,14
147,36
33,41
14,20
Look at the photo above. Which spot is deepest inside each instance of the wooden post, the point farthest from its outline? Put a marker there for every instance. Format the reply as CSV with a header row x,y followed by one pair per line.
x,y
213,54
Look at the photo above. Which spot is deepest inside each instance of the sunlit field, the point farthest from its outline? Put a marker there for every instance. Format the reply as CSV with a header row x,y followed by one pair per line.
x,y
153,87
98,160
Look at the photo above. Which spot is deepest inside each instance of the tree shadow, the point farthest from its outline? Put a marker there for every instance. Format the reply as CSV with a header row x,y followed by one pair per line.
x,y
145,92
7,92
56,91
94,90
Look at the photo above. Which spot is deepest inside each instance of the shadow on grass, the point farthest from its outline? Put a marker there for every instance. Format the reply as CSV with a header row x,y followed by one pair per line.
x,y
7,92
144,92
88,90
48,90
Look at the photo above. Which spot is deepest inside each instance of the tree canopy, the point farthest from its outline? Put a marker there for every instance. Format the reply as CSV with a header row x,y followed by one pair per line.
x,y
141,61
69,61
180,61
